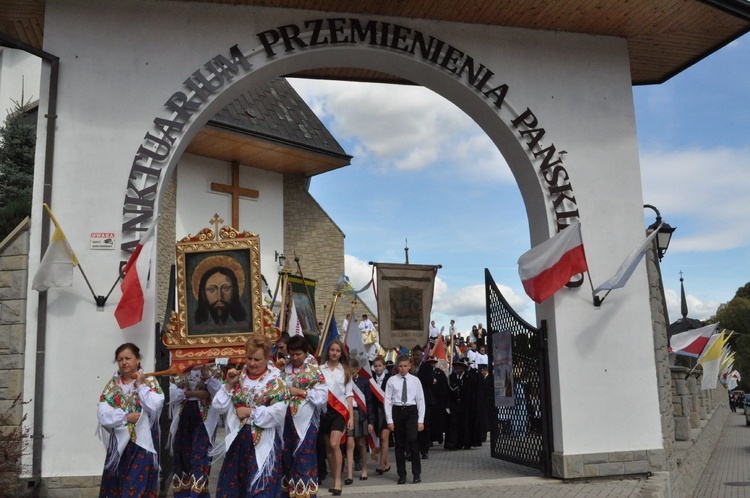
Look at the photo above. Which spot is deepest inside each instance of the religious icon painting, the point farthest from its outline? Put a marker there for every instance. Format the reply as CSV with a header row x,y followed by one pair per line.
x,y
218,288
303,295
404,303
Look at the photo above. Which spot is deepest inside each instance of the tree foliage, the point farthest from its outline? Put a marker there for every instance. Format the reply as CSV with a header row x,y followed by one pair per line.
x,y
17,144
735,315
743,291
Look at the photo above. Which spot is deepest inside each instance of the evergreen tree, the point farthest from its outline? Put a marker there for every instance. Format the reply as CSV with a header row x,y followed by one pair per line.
x,y
17,143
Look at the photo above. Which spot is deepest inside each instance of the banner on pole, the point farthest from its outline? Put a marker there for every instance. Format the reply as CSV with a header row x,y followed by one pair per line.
x,y
404,303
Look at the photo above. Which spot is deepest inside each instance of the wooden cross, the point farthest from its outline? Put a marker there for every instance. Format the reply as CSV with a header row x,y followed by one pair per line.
x,y
236,192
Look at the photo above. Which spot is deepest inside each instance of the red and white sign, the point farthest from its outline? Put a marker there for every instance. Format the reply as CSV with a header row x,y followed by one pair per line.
x,y
102,241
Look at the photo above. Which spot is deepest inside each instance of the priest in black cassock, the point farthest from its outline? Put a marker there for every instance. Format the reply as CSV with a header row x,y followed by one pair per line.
x,y
463,394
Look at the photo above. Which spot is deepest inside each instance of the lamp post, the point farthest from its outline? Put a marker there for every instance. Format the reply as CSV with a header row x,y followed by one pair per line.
x,y
664,235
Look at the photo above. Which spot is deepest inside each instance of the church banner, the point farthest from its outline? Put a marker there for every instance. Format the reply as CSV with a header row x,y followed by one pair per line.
x,y
404,303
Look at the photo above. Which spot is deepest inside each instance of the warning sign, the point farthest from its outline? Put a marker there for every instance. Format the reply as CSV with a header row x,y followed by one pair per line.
x,y
102,241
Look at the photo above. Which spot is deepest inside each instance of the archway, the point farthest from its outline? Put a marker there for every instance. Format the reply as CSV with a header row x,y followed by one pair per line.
x,y
488,115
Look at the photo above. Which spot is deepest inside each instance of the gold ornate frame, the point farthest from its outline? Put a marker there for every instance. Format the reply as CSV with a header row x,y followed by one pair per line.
x,y
240,251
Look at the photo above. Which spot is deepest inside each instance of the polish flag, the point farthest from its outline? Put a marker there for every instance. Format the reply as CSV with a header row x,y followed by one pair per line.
x,y
544,269
693,342
130,308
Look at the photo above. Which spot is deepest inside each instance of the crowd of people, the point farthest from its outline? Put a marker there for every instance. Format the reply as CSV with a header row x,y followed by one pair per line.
x,y
291,420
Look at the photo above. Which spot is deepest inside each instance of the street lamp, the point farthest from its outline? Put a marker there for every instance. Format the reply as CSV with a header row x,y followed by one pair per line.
x,y
665,232
280,258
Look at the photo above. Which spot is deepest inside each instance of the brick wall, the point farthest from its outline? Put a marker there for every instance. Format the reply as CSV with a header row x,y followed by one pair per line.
x,y
692,419
317,241
14,263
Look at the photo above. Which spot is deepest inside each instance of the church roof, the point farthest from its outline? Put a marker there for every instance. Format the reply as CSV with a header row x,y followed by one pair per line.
x,y
276,112
664,36
683,324
270,127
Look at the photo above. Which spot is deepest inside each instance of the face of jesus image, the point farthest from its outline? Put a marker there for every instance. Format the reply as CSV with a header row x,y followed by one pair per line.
x,y
218,299
219,291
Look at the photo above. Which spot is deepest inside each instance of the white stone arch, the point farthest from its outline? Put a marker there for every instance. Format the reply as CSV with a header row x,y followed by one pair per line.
x,y
495,123
539,212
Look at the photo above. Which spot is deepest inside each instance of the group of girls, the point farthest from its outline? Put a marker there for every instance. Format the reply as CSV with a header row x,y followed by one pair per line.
x,y
273,418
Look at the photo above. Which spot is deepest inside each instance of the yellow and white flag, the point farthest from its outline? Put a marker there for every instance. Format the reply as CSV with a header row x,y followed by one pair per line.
x,y
711,360
56,267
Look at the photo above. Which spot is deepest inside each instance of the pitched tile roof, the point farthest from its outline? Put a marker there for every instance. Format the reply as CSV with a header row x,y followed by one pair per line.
x,y
274,111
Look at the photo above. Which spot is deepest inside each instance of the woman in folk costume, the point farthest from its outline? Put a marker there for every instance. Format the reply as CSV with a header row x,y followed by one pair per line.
x,y
129,410
255,403
192,429
338,417
308,396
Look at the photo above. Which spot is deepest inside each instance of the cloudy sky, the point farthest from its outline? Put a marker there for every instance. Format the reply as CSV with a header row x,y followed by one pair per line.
x,y
404,184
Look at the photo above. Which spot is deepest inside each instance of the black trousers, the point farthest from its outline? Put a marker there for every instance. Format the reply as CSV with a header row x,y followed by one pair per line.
x,y
424,438
405,433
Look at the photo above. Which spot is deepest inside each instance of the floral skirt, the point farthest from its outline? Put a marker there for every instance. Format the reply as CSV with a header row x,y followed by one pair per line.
x,y
240,468
300,465
135,475
192,465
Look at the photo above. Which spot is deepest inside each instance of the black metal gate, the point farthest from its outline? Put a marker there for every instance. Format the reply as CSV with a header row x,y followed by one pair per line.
x,y
522,428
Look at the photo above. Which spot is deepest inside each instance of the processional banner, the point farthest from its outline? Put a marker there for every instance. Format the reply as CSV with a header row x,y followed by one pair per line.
x,y
404,303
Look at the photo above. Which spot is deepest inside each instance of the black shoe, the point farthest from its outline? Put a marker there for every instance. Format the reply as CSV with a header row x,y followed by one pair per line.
x,y
401,480
417,479
348,481
336,492
425,456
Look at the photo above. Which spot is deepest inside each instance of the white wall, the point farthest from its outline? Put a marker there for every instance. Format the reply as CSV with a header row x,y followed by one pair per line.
x,y
120,62
264,216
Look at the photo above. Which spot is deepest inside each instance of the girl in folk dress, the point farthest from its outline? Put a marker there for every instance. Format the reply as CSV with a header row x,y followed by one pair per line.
x,y
129,409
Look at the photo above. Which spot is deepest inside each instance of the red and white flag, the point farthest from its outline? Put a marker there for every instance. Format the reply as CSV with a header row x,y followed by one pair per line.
x,y
691,343
546,268
130,308
626,269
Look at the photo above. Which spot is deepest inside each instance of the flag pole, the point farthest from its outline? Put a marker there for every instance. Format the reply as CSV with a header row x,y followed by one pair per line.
x,y
284,303
276,289
327,325
307,291
96,298
104,298
597,301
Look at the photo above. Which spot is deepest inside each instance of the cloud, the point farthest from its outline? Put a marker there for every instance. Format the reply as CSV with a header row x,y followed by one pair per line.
x,y
704,191
409,127
359,273
696,308
480,158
